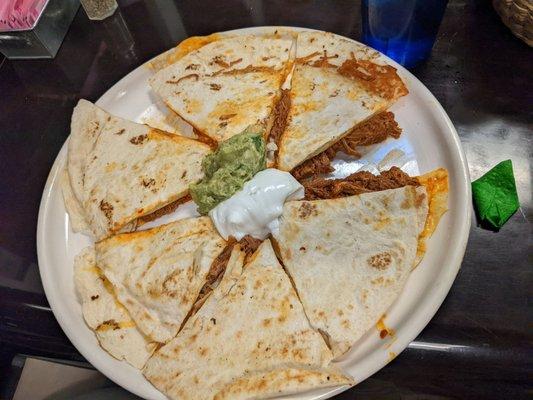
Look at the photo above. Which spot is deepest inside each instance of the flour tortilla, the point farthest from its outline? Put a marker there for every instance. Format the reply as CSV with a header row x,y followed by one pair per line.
x,y
350,257
115,330
250,339
325,104
226,85
436,184
120,171
157,274
76,214
183,48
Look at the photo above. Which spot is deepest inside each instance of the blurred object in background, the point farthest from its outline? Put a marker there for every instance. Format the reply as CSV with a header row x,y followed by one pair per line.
x,y
404,30
20,14
34,28
99,9
517,15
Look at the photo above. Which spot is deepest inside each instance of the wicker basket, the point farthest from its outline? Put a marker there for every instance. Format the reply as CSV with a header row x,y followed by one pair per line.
x,y
518,16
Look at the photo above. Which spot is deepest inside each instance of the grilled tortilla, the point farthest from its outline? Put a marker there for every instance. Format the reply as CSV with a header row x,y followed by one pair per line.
x,y
336,84
75,211
250,339
350,257
157,274
226,85
119,170
115,330
436,184
181,50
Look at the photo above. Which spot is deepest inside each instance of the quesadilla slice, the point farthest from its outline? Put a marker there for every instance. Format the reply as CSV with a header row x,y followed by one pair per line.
x,y
76,213
115,330
121,171
251,339
435,182
362,233
183,48
226,85
336,84
157,274
374,130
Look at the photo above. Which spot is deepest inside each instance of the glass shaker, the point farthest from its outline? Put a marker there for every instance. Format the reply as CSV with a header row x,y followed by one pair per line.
x,y
99,9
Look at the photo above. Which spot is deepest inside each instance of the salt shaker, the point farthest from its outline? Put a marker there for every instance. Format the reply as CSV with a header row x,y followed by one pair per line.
x,y
99,9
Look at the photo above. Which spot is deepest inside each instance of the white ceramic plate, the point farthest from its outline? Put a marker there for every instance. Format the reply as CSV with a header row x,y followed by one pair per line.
x,y
429,141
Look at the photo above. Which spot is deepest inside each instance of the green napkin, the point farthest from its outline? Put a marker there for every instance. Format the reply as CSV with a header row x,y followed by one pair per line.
x,y
495,196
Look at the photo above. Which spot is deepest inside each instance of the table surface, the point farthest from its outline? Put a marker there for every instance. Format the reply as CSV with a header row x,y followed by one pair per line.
x,y
479,344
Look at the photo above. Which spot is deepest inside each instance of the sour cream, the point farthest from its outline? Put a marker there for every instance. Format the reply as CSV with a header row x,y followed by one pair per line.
x,y
255,210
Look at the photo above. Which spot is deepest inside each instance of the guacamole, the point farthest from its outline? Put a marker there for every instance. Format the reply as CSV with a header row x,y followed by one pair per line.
x,y
226,170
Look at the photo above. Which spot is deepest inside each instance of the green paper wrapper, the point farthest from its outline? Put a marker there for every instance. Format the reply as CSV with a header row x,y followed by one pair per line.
x,y
495,196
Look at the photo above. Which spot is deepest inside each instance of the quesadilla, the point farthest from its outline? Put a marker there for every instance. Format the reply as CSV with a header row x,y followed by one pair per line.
x,y
181,50
157,274
435,182
115,330
226,85
76,213
336,84
250,339
120,171
350,257
350,250
375,130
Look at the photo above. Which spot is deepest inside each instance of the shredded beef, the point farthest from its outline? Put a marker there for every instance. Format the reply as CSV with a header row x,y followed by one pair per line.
x,y
218,266
320,164
373,131
379,79
163,210
281,113
357,183
249,245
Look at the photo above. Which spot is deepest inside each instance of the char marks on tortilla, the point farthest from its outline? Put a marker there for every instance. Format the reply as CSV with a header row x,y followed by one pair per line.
x,y
115,330
375,130
120,171
250,339
226,85
350,257
157,274
336,84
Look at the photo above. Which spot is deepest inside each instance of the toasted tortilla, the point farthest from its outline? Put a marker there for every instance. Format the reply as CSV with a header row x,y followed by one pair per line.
x,y
115,330
183,48
436,184
350,257
120,171
336,84
226,85
250,339
76,213
157,274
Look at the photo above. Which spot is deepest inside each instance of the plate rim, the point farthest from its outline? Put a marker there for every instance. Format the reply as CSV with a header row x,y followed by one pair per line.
x,y
425,312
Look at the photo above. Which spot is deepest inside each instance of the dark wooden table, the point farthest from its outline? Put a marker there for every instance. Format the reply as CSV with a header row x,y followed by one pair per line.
x,y
478,346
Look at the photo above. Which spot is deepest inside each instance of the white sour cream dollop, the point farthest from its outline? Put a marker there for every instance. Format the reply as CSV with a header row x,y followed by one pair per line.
x,y
255,210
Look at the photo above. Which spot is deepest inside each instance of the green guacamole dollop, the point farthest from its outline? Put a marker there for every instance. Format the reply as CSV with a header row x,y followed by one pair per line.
x,y
226,170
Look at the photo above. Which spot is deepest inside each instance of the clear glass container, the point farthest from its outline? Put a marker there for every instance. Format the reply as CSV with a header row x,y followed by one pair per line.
x,y
99,9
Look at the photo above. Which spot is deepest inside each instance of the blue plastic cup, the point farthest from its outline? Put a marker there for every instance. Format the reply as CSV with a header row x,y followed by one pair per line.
x,y
404,30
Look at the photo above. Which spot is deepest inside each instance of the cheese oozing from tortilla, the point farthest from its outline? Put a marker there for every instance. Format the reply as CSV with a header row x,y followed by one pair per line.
x,y
255,210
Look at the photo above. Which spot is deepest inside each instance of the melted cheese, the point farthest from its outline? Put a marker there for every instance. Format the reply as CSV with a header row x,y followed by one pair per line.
x,y
436,184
